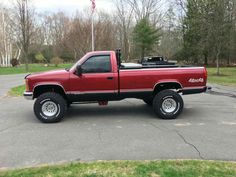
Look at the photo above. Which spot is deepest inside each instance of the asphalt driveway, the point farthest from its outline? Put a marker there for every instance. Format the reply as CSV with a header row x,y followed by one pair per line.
x,y
123,130
9,81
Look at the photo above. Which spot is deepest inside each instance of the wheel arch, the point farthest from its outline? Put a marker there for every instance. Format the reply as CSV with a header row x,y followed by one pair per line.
x,y
51,87
167,85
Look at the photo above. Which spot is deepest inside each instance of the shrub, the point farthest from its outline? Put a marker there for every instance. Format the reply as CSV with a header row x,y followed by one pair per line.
x,y
39,58
56,61
14,62
48,53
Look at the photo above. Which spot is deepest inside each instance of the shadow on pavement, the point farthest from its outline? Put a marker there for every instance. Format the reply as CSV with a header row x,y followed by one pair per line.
x,y
112,111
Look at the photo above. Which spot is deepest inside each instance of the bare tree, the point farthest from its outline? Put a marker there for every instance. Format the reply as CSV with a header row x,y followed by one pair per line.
x,y
145,8
9,47
171,35
105,29
56,28
5,45
182,4
124,17
23,23
78,39
38,36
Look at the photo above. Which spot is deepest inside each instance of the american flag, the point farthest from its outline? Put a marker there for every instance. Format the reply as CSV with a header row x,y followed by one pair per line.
x,y
93,5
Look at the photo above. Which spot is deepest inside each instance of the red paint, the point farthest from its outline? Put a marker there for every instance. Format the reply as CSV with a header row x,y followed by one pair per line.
x,y
130,80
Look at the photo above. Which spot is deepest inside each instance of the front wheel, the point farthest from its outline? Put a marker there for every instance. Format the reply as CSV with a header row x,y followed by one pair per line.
x,y
168,104
50,107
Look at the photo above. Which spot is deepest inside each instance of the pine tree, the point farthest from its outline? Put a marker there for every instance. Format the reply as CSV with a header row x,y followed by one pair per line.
x,y
145,36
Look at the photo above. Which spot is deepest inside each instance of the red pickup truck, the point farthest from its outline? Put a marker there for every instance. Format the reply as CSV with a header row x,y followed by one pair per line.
x,y
101,77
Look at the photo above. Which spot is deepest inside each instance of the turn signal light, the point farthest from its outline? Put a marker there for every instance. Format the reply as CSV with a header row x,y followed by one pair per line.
x,y
26,85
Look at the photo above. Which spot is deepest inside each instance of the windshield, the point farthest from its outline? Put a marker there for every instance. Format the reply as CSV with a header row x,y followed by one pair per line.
x,y
79,62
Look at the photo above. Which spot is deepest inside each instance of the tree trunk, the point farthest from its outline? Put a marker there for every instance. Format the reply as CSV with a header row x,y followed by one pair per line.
x,y
205,60
19,53
142,52
228,60
26,61
217,63
26,65
195,60
125,43
1,59
129,51
75,55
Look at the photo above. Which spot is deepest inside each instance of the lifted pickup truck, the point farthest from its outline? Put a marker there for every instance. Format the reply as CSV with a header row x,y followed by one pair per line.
x,y
101,77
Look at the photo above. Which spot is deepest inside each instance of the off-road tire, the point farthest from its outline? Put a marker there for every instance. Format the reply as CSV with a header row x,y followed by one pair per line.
x,y
55,99
163,111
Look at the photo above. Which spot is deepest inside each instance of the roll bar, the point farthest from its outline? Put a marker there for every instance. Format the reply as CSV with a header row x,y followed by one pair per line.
x,y
118,57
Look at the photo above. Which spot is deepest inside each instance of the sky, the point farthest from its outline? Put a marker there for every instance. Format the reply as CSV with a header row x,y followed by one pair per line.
x,y
68,6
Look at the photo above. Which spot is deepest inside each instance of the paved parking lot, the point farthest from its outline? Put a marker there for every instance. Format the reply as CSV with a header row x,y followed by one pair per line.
x,y
123,130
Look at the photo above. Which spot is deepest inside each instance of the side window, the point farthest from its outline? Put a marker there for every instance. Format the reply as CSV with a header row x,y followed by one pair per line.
x,y
97,64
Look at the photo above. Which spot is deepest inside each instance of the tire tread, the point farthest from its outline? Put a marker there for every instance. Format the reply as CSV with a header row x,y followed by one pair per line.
x,y
54,96
157,101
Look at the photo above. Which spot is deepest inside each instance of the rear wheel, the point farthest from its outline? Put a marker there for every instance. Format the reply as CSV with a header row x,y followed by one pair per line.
x,y
168,104
50,107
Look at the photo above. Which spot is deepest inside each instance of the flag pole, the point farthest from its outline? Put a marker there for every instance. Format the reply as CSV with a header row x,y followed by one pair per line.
x,y
92,31
93,9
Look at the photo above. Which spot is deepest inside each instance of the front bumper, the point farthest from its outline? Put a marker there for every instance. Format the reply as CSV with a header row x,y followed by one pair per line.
x,y
28,95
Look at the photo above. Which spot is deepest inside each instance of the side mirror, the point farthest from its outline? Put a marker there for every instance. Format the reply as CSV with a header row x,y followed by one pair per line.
x,y
79,70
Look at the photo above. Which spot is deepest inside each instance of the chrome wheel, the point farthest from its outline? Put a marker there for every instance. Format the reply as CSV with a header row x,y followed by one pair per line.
x,y
49,108
169,105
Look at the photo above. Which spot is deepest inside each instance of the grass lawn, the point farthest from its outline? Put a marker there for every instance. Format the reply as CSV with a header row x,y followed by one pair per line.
x,y
32,68
176,168
228,76
17,91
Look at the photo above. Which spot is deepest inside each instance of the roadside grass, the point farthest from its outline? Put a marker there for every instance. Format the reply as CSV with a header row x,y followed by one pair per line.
x,y
175,168
227,77
32,68
17,91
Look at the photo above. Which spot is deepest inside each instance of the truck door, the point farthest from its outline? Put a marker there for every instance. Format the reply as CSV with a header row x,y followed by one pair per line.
x,y
97,82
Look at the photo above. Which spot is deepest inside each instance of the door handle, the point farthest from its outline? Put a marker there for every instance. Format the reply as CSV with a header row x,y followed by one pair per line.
x,y
110,78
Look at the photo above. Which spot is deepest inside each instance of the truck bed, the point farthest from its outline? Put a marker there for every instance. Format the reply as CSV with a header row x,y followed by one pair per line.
x,y
125,66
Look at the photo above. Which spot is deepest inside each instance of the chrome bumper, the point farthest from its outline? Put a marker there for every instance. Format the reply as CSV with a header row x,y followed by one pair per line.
x,y
28,95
